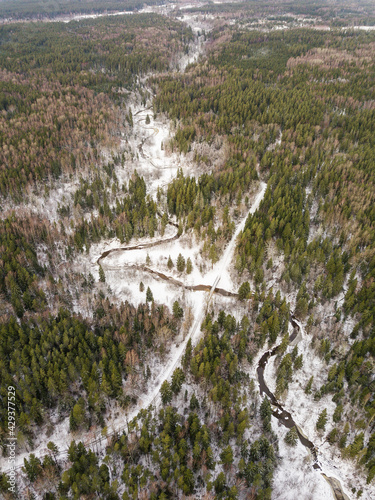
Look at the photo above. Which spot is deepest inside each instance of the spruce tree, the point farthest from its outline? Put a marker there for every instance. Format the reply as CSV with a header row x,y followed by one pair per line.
x,y
291,437
180,263
322,420
149,296
101,274
189,266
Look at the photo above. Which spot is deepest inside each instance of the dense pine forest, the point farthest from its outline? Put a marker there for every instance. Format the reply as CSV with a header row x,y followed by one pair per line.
x,y
185,197
37,9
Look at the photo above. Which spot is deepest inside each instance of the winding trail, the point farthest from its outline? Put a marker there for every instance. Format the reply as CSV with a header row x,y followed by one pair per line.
x,y
99,442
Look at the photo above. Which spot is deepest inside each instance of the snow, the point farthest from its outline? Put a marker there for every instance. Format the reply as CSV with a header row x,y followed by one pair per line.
x,y
123,283
153,161
297,471
294,477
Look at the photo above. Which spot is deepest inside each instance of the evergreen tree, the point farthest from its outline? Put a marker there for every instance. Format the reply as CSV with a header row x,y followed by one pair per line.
x,y
194,403
244,291
227,457
291,437
180,263
170,263
189,266
178,312
33,467
178,379
149,295
322,420
101,274
309,385
166,392
265,414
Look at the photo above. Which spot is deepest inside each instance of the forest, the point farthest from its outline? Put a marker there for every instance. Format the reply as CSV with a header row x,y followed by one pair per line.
x,y
243,92
62,90
37,9
291,110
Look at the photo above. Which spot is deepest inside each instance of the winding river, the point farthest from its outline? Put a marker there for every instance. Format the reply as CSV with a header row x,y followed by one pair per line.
x,y
279,412
286,419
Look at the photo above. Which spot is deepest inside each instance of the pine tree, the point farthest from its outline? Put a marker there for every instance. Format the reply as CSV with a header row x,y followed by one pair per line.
x,y
189,266
166,392
180,263
291,437
149,296
141,286
178,379
212,255
101,274
178,312
298,362
227,457
147,120
265,414
309,385
244,291
33,467
322,420
194,403
170,263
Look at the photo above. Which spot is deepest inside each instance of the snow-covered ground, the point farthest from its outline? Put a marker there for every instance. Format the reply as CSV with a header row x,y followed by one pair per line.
x,y
197,301
295,476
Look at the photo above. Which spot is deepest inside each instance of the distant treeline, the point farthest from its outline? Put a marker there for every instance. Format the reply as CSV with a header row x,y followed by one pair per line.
x,y
23,9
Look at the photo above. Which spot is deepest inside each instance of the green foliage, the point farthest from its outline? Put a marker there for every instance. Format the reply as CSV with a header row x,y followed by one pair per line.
x,y
49,360
101,274
77,415
133,216
19,267
34,8
322,420
62,107
85,476
180,263
33,467
291,437
244,291
178,379
226,456
149,295
265,414
191,198
309,385
189,266
194,403
178,312
166,392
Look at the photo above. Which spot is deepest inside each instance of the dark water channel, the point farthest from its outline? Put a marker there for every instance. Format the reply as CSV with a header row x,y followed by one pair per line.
x,y
282,415
286,419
